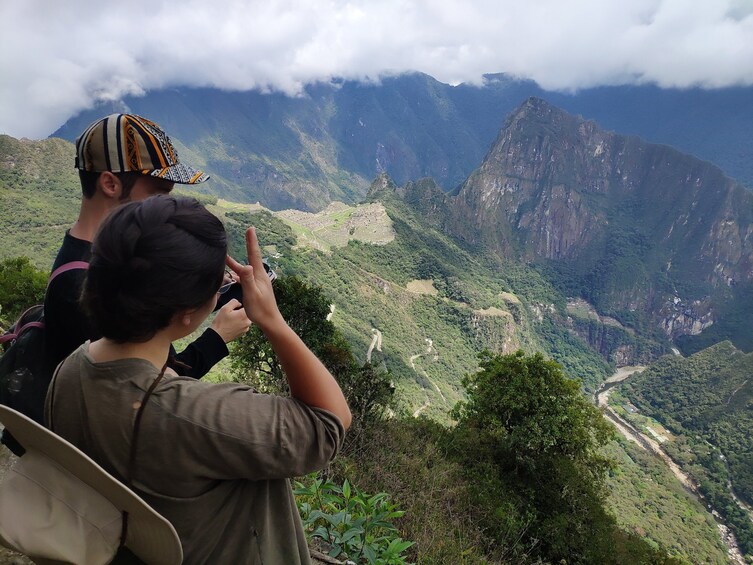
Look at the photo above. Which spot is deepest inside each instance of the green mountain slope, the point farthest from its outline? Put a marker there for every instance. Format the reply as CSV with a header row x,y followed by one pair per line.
x,y
415,286
706,400
39,197
647,499
385,267
423,306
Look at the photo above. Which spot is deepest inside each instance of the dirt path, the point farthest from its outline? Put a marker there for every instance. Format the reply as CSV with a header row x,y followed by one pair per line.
x,y
421,408
731,396
624,372
423,373
376,342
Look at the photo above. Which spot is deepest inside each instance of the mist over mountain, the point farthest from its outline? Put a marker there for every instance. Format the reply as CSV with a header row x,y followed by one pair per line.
x,y
330,143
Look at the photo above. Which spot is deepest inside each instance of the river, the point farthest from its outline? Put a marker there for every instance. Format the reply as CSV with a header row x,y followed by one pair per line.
x,y
633,434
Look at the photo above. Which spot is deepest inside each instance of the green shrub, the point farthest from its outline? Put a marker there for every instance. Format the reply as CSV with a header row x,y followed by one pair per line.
x,y
355,525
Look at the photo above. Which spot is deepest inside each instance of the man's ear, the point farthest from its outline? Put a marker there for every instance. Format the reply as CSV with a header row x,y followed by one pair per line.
x,y
110,185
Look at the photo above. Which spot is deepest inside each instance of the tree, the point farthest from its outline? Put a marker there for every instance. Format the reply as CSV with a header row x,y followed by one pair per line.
x,y
305,309
534,439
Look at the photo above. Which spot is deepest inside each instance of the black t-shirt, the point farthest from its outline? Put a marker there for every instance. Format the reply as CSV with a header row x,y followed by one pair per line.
x,y
67,326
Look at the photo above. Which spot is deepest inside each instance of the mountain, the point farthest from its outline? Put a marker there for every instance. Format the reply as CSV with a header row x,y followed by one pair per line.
x,y
329,143
653,239
414,300
39,197
641,231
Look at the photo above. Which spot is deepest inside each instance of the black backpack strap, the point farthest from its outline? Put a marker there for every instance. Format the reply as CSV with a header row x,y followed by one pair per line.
x,y
34,312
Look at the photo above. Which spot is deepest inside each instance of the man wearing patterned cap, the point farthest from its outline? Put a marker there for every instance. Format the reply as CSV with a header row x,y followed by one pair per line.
x,y
124,157
121,157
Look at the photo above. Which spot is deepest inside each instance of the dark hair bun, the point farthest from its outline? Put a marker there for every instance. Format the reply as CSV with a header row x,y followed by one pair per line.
x,y
150,260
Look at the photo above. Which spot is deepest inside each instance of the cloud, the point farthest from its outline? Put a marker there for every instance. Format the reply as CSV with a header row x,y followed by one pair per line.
x,y
57,58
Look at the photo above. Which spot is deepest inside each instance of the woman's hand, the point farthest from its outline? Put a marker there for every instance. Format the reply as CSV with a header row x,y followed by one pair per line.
x,y
258,297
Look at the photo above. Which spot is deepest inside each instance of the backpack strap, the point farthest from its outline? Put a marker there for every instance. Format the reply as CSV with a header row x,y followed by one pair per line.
x,y
14,335
16,329
64,268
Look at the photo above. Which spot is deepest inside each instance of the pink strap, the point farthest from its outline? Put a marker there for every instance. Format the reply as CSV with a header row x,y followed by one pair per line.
x,y
22,329
68,267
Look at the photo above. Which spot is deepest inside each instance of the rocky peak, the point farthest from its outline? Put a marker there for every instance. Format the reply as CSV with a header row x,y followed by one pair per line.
x,y
383,183
557,187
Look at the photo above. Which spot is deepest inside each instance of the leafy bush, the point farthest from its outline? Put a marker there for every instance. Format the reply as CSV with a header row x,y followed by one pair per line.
x,y
353,524
532,441
305,308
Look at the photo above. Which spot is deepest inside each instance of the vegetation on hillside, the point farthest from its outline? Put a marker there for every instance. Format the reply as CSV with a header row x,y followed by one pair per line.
x,y
21,285
425,466
430,339
527,441
39,197
705,400
647,499
735,310
437,305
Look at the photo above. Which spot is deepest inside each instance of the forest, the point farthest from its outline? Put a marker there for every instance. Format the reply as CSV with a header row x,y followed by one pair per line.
x,y
706,401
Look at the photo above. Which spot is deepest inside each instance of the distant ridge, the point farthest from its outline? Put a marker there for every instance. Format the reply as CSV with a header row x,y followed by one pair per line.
x,y
329,144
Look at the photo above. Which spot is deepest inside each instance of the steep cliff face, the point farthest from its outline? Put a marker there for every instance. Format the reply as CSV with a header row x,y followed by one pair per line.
x,y
528,182
644,227
615,342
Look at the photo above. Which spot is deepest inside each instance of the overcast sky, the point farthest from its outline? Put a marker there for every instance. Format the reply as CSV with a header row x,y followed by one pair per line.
x,y
59,56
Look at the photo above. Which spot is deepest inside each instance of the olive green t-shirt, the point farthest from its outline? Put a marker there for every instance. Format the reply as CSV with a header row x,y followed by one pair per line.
x,y
214,459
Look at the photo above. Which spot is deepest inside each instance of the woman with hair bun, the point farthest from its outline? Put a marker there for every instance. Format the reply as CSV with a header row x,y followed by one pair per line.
x,y
214,459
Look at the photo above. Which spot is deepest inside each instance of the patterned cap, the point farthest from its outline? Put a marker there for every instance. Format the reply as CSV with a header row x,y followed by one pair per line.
x,y
125,142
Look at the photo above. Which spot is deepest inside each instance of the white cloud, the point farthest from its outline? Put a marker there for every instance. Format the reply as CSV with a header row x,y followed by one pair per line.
x,y
57,58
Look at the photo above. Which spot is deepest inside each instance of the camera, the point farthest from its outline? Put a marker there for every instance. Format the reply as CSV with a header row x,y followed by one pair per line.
x,y
236,290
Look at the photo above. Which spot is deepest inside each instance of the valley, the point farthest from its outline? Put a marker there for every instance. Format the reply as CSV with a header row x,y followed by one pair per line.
x,y
600,251
652,444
